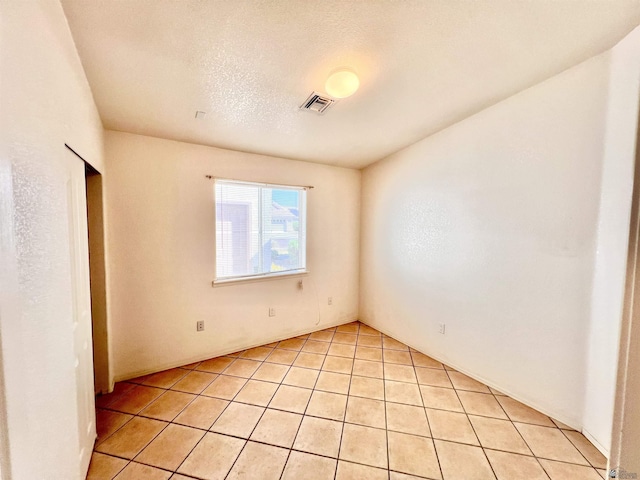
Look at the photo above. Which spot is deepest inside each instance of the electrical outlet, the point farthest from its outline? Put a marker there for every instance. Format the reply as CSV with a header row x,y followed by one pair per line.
x,y
200,326
442,328
272,312
330,301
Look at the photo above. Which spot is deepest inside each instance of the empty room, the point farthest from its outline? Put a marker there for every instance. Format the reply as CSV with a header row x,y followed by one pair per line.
x,y
327,240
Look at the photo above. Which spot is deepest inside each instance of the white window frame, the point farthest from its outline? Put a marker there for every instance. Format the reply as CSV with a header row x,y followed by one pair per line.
x,y
302,239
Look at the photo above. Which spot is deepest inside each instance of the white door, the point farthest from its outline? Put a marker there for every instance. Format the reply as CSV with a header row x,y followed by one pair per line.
x,y
83,354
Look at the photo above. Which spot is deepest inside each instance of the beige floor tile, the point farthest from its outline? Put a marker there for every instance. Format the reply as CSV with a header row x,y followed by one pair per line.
x,y
301,377
368,353
366,368
397,356
497,392
364,445
132,438
353,471
277,428
202,412
392,344
509,466
191,366
440,398
215,365
120,389
413,455
342,350
327,405
451,426
463,462
519,412
242,367
565,471
283,357
546,442
319,436
365,411
369,341
238,419
259,462
407,419
108,422
322,336
333,382
348,328
346,338
313,346
164,379
136,471
291,399
271,372
399,373
338,364
195,382
167,406
590,452
309,360
104,467
400,392
422,360
367,330
433,377
291,344
484,404
402,476
213,457
256,392
367,387
170,447
225,387
558,423
463,382
177,476
499,435
257,353
134,400
303,466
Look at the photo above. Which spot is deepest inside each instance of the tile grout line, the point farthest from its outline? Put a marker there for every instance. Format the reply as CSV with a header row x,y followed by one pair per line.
x,y
472,427
265,408
284,467
424,408
344,418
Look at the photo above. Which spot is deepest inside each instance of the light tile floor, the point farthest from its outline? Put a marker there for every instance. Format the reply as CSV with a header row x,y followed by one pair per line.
x,y
341,403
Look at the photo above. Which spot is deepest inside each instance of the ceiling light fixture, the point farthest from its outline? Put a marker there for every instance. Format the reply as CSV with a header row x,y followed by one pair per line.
x,y
342,83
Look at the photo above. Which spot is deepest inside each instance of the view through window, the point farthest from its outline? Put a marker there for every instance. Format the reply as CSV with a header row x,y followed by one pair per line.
x,y
260,229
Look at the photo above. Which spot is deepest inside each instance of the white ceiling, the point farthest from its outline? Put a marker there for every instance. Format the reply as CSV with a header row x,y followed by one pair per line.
x,y
249,64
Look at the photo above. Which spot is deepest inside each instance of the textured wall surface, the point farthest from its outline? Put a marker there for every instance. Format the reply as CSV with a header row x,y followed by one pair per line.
x,y
45,102
490,228
160,238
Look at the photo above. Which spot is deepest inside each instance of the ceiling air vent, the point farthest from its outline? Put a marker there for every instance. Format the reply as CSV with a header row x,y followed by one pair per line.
x,y
317,103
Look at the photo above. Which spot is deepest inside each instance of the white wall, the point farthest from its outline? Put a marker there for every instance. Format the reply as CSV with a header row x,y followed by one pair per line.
x,y
612,239
490,227
45,102
160,240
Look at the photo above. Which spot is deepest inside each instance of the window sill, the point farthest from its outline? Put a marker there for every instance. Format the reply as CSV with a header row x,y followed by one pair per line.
x,y
258,278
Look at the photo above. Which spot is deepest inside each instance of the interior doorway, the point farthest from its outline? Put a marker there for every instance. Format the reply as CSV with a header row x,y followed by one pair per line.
x,y
95,224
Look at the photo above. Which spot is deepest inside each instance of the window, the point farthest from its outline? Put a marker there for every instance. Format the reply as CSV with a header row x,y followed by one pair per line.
x,y
260,230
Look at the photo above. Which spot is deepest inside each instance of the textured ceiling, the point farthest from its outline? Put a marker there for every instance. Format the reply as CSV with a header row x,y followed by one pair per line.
x,y
249,64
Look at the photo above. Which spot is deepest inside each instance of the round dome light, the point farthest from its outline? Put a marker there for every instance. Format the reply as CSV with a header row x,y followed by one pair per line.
x,y
342,83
